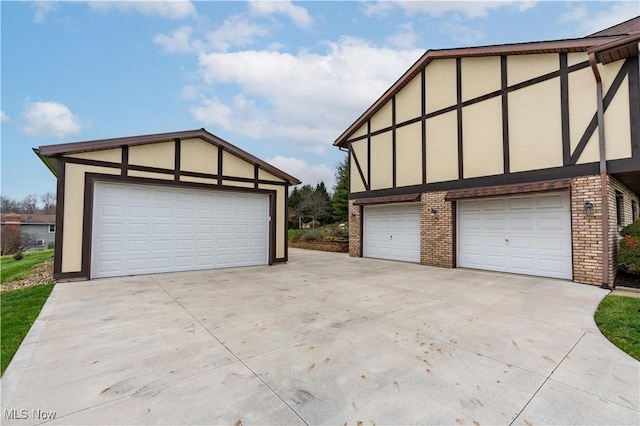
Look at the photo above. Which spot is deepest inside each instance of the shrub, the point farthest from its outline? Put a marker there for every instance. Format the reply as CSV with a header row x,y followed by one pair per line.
x,y
18,256
294,235
51,245
632,229
629,254
629,249
312,235
336,232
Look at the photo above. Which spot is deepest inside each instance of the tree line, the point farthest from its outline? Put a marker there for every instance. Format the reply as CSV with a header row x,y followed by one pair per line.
x,y
314,206
31,204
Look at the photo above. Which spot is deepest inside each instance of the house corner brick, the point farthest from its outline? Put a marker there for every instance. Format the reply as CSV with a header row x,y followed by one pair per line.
x,y
436,231
355,229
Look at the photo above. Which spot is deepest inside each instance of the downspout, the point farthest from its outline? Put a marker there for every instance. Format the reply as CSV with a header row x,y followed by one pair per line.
x,y
603,174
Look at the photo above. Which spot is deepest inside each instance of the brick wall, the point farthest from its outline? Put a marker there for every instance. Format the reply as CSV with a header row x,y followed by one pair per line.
x,y
355,217
587,230
436,231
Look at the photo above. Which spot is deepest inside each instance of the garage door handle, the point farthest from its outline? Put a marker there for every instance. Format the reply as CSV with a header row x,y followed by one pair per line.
x,y
391,237
506,240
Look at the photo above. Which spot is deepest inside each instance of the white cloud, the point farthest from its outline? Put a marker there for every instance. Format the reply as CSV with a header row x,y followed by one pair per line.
x,y
307,98
589,22
42,8
50,119
380,9
405,38
178,41
4,117
465,34
172,9
309,174
470,9
234,32
298,14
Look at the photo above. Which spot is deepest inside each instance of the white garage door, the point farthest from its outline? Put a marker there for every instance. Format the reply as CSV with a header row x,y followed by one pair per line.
x,y
520,234
392,232
149,229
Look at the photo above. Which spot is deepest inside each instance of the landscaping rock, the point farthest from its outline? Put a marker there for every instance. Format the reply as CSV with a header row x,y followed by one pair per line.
x,y
41,274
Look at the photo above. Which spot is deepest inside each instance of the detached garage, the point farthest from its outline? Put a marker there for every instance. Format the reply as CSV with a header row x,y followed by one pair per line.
x,y
163,203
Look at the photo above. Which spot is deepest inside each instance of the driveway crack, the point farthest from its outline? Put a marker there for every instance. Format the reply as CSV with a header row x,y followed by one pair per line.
x,y
548,378
231,352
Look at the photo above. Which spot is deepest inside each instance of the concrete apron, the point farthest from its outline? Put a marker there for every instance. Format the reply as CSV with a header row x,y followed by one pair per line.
x,y
324,339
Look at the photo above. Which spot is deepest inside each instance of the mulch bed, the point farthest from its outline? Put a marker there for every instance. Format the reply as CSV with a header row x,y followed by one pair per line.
x,y
42,274
624,279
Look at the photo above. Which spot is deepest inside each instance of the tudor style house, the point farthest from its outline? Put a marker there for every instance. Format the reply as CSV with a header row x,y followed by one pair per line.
x,y
520,158
164,202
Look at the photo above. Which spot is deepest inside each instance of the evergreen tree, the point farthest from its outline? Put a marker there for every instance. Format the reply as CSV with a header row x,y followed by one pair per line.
x,y
340,199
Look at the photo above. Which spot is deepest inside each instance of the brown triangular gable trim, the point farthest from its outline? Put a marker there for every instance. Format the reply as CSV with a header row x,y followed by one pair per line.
x,y
404,198
96,145
494,191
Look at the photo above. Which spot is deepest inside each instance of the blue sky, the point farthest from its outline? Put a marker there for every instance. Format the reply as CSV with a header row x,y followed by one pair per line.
x,y
281,80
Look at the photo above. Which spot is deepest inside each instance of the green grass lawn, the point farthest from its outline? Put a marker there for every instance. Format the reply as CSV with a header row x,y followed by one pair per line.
x,y
14,270
20,308
618,318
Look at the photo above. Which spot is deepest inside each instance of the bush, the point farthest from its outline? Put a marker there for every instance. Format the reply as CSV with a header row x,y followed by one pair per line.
x,y
312,235
629,249
295,234
631,229
51,245
18,256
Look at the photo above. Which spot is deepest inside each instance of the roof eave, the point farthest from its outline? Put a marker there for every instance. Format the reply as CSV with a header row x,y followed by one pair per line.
x,y
49,162
49,152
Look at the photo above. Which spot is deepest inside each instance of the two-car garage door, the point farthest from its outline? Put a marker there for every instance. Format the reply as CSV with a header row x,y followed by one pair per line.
x,y
151,229
519,234
523,234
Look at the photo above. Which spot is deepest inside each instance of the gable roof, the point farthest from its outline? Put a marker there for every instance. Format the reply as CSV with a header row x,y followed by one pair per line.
x,y
618,44
28,219
624,28
49,152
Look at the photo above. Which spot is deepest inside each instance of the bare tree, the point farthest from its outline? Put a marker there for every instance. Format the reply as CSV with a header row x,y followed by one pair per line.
x,y
48,202
8,205
29,204
12,240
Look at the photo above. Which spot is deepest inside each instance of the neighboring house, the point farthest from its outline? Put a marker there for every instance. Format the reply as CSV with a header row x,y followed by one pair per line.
x,y
164,202
40,227
519,158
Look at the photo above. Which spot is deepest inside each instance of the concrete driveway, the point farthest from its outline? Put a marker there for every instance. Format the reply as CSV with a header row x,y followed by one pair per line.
x,y
324,339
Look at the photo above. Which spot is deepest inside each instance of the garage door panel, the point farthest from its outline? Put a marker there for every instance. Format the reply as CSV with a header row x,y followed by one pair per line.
x,y
167,229
536,238
520,204
552,223
552,265
494,205
495,261
527,243
521,224
552,202
392,232
495,223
